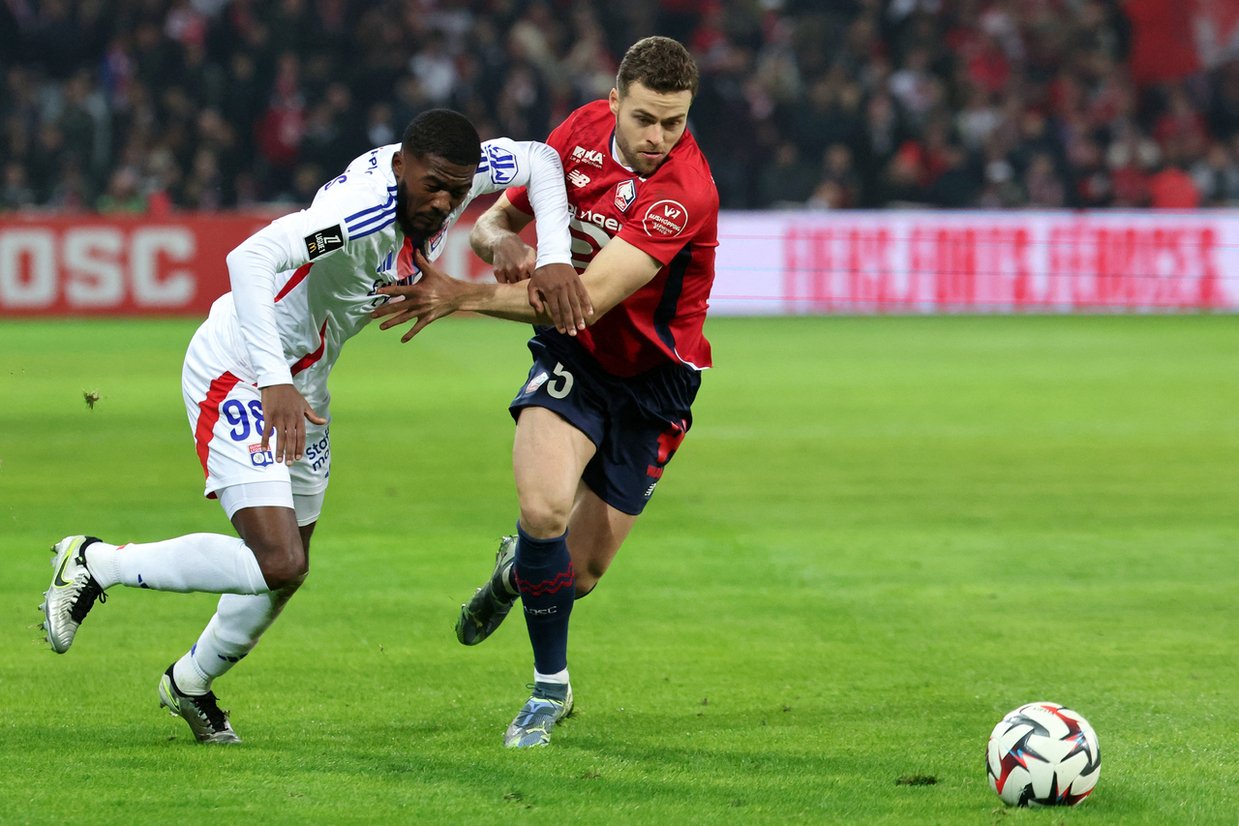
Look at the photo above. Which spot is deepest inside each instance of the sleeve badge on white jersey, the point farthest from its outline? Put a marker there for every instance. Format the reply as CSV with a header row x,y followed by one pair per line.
x,y
500,163
324,241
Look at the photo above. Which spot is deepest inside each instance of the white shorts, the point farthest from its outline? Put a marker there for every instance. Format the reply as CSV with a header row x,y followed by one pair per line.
x,y
224,407
272,495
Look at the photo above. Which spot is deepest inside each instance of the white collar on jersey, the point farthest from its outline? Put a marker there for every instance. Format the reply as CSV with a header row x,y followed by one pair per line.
x,y
615,155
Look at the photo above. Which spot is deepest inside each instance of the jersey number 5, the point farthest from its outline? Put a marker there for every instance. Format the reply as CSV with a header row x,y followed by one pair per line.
x,y
563,387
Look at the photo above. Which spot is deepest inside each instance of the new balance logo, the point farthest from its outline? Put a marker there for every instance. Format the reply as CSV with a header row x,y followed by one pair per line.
x,y
578,178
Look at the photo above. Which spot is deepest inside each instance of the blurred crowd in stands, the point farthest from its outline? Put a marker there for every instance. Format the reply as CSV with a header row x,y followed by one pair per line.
x,y
151,106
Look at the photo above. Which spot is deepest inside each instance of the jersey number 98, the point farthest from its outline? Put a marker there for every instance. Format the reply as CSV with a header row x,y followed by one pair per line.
x,y
235,414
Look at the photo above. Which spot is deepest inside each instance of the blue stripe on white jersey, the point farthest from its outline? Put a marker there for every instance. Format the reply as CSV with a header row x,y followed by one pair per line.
x,y
388,218
391,199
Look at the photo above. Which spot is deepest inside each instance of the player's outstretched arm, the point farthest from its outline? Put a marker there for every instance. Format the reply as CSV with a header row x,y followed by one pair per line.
x,y
618,271
552,291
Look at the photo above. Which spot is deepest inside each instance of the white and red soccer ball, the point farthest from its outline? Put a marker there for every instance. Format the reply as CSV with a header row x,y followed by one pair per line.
x,y
1042,754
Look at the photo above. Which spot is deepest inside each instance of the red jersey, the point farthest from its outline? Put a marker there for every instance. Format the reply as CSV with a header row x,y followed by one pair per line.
x,y
672,215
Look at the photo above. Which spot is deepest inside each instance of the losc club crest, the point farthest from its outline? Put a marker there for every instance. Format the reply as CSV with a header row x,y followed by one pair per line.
x,y
625,194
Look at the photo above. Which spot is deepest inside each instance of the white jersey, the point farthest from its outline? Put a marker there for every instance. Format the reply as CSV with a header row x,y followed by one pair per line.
x,y
307,282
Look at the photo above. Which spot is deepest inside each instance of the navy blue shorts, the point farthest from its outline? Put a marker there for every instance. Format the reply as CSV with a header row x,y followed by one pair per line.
x,y
636,423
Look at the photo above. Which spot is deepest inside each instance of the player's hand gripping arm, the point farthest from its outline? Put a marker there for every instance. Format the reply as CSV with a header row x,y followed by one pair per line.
x,y
251,271
617,271
553,290
495,239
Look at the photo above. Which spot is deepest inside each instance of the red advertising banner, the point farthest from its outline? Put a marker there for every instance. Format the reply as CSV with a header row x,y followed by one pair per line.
x,y
122,265
85,265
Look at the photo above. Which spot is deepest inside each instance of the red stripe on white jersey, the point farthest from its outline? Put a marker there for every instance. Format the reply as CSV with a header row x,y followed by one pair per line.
x,y
291,284
404,261
308,359
208,415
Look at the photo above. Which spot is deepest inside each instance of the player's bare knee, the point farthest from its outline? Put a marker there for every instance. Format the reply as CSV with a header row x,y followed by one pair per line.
x,y
285,572
544,520
283,565
290,588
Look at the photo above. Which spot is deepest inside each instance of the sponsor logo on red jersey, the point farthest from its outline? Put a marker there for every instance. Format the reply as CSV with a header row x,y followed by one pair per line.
x,y
667,218
591,157
589,216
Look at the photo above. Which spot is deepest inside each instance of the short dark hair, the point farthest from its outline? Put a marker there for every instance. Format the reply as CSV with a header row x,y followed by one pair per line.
x,y
443,133
660,64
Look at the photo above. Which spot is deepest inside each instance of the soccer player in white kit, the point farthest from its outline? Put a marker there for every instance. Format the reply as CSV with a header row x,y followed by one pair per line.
x,y
255,386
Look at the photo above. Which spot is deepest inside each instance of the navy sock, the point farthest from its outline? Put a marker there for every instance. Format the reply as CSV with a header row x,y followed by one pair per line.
x,y
546,580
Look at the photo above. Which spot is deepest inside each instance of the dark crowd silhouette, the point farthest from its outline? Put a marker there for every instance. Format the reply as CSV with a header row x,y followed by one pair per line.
x,y
149,106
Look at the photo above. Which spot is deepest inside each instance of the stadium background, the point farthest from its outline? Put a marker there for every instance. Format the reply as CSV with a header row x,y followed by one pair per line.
x,y
885,531
137,118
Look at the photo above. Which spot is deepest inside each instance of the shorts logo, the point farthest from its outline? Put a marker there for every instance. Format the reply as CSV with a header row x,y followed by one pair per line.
x,y
503,167
625,194
666,218
324,241
578,178
536,382
587,156
319,453
261,456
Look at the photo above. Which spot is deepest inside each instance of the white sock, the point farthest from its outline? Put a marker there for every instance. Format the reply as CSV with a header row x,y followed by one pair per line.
x,y
189,678
559,677
238,624
197,562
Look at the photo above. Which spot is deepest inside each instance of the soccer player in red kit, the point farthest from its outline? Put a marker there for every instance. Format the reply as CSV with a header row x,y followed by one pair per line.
x,y
618,364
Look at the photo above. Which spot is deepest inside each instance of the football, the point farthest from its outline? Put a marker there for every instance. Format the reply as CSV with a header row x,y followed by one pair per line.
x,y
1043,754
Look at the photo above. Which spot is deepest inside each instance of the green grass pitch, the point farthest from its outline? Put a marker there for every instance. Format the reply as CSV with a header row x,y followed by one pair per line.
x,y
881,535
